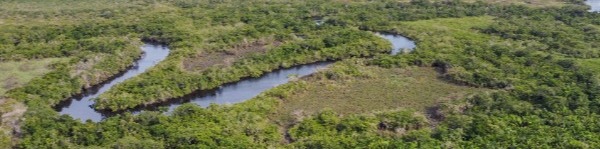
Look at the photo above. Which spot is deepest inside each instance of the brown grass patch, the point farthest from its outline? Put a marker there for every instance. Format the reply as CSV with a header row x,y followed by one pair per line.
x,y
11,113
13,74
416,88
530,3
227,57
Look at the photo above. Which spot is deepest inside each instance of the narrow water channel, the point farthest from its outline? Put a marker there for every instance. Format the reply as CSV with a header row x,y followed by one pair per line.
x,y
248,88
80,107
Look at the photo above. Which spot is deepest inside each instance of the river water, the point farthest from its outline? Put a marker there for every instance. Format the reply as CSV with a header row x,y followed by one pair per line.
x,y
80,107
595,4
248,88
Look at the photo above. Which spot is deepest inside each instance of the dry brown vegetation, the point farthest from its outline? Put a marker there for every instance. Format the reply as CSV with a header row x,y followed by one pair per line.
x,y
11,113
378,89
226,57
531,3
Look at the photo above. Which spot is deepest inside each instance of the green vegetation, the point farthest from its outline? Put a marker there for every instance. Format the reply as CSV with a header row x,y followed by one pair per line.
x,y
530,3
11,111
531,72
358,89
591,64
17,73
333,43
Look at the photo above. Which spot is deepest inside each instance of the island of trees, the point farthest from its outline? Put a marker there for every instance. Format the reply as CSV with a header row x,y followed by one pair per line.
x,y
484,74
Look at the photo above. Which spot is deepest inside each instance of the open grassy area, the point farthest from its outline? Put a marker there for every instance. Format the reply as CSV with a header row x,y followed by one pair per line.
x,y
451,26
512,54
226,57
10,113
590,64
376,89
531,3
59,5
17,73
14,74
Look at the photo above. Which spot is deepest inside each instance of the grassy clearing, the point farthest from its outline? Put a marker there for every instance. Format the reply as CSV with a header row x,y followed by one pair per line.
x,y
377,89
59,12
445,35
452,26
531,3
591,64
59,5
17,73
380,89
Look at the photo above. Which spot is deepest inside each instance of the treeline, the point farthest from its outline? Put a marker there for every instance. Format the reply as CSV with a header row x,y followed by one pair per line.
x,y
69,78
42,42
545,100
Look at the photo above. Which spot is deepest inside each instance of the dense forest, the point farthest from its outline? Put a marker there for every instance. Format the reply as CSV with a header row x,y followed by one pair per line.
x,y
484,74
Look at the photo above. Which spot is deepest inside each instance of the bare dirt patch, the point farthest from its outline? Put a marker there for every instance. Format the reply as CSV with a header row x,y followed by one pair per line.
x,y
11,113
226,57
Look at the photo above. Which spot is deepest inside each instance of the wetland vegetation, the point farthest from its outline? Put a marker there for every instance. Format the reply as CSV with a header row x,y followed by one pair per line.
x,y
483,74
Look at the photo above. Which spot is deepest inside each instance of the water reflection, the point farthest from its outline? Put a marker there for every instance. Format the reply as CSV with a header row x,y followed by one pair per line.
x,y
595,4
399,43
79,107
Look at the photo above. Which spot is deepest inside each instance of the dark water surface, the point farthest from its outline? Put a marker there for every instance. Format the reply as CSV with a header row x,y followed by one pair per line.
x,y
230,93
249,88
79,107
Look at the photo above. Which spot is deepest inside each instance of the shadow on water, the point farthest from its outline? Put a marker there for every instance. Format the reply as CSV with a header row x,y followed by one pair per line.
x,y
80,106
400,44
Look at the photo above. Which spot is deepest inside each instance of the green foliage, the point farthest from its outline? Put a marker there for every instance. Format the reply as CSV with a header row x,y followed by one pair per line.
x,y
328,130
525,56
531,54
135,143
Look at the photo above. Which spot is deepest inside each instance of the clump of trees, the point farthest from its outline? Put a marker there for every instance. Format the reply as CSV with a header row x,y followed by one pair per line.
x,y
545,98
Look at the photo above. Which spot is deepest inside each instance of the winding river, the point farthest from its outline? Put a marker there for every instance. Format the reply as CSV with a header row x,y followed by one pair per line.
x,y
81,107
248,88
399,43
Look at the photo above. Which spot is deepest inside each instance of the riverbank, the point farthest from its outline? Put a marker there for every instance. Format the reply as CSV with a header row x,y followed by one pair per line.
x,y
529,55
336,43
81,106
